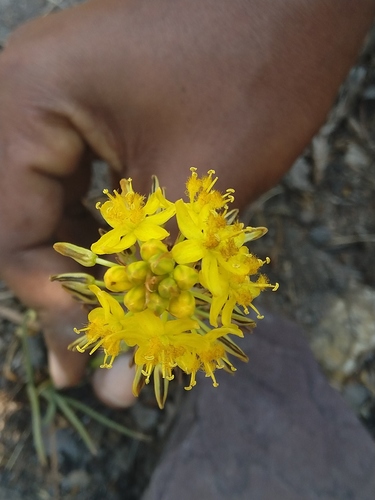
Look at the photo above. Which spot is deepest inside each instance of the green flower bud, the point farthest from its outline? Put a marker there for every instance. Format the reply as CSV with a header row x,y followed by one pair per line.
x,y
77,285
185,276
135,299
81,293
152,282
183,305
116,279
71,278
137,271
81,255
162,263
152,247
156,303
168,288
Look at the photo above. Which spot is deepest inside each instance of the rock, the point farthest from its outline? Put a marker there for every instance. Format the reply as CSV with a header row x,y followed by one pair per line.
x,y
77,480
346,332
299,175
275,430
320,235
356,395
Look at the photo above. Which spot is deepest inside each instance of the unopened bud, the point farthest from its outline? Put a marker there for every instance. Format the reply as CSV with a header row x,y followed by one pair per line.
x,y
168,288
71,278
162,263
152,247
185,276
137,271
80,292
183,305
116,279
81,255
135,299
152,282
156,303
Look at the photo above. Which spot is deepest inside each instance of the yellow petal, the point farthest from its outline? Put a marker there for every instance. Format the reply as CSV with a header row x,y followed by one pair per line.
x,y
185,222
149,231
177,326
163,216
188,251
226,316
217,304
114,241
152,204
210,273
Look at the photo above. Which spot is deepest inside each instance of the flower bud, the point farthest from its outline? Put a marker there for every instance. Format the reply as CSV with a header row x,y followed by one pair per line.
x,y
168,288
81,255
152,247
77,285
135,299
80,292
162,263
71,278
183,305
185,276
156,303
137,271
116,279
152,282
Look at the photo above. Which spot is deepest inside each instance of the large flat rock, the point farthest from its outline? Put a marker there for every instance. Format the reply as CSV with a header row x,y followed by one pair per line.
x,y
276,430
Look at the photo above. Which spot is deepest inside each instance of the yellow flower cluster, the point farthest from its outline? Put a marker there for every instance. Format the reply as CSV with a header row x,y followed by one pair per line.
x,y
176,305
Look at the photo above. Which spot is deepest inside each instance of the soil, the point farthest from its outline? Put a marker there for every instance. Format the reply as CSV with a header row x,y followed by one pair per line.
x,y
321,240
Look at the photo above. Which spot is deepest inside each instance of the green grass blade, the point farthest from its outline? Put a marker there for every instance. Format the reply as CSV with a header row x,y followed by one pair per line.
x,y
106,421
75,422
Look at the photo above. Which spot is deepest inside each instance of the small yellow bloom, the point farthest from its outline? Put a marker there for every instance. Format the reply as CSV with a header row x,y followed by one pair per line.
x,y
159,344
132,219
206,353
237,290
201,193
105,328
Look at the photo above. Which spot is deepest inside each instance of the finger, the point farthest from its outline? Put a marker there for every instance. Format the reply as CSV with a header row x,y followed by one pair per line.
x,y
38,154
114,386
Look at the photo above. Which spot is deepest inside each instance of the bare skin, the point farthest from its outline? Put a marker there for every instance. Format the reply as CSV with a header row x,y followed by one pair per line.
x,y
152,87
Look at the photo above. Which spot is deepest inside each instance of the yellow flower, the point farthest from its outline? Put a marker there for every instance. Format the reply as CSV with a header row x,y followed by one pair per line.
x,y
162,345
132,219
201,193
161,304
105,328
213,241
237,290
206,352
201,243
159,343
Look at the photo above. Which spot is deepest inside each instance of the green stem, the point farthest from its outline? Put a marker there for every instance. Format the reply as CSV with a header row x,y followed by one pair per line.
x,y
104,262
106,421
76,423
32,393
100,283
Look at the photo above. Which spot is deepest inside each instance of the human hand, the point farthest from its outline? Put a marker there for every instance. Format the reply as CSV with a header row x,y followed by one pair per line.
x,y
152,87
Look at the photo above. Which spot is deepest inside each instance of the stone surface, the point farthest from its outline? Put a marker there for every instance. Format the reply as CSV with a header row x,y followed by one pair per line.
x,y
276,430
346,333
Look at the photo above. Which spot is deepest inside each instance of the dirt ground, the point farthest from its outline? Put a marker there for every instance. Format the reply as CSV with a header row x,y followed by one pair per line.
x,y
321,241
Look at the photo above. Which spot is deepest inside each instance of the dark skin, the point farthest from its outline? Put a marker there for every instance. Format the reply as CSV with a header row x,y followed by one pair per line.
x,y
152,87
